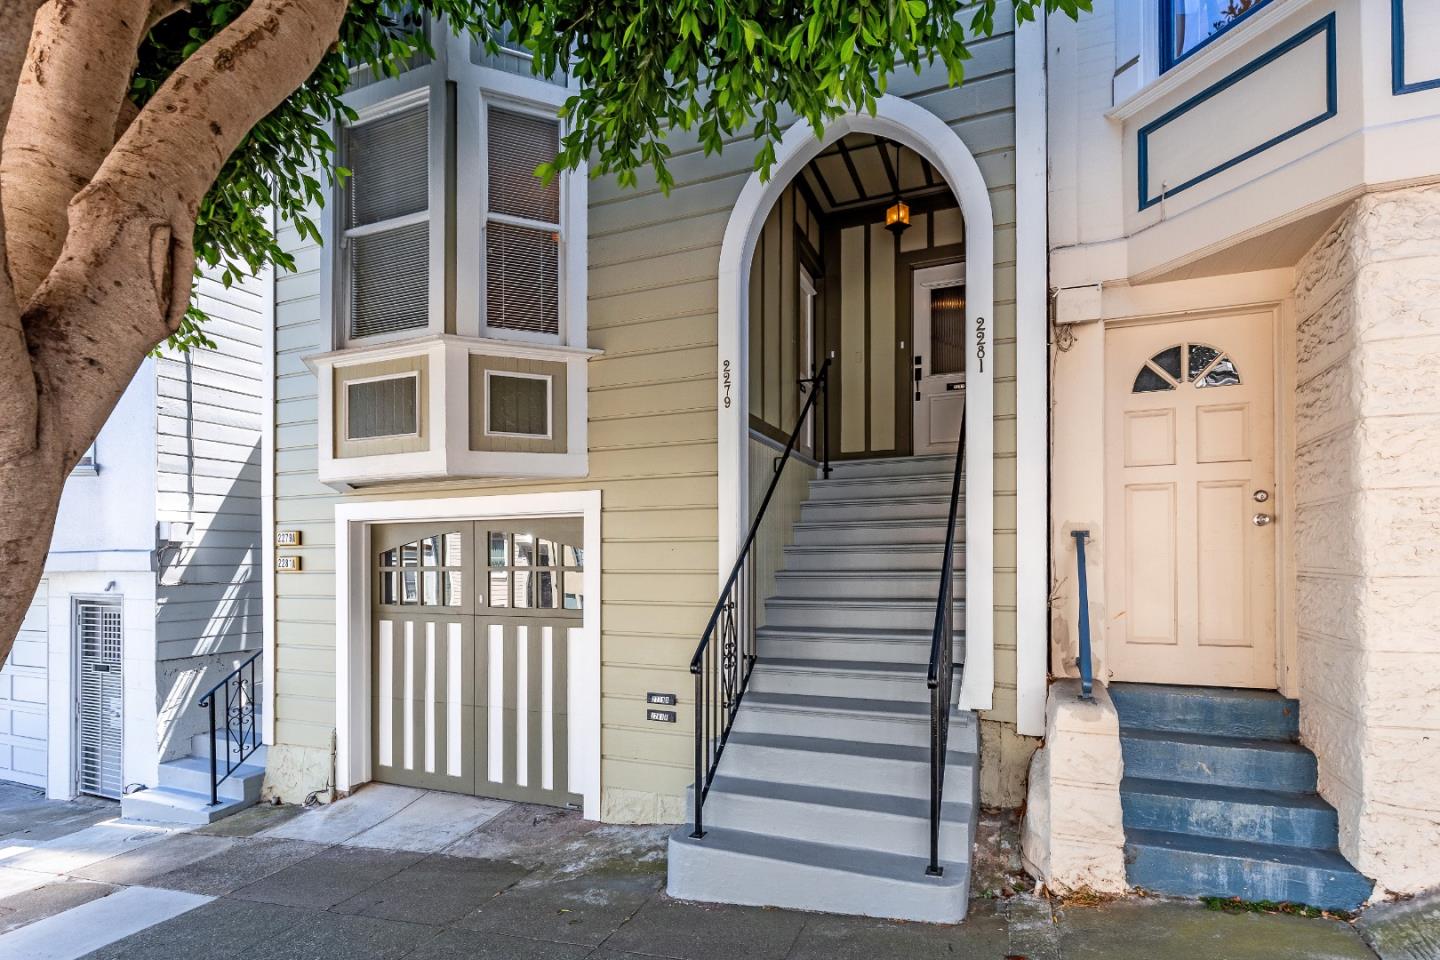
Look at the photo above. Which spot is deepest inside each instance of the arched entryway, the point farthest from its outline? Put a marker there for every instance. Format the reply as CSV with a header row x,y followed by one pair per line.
x,y
919,130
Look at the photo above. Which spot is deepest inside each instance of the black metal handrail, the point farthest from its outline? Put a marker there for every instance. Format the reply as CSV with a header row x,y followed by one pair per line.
x,y
242,733
722,670
941,676
1087,679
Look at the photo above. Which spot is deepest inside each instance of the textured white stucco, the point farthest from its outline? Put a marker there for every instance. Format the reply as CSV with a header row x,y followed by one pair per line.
x,y
1073,837
1367,529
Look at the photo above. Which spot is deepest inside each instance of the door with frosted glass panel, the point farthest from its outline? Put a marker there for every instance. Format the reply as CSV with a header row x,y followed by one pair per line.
x,y
939,359
474,627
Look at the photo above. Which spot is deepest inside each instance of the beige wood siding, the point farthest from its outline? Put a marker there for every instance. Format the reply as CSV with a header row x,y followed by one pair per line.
x,y
652,423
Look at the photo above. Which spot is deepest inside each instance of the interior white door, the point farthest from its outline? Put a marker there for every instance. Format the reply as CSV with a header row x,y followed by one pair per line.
x,y
939,361
1190,502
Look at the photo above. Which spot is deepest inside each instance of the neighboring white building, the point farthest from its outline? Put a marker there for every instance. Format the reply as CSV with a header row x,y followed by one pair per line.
x,y
152,587
1243,257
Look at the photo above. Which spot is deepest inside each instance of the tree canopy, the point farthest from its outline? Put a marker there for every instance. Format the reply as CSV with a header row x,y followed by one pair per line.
x,y
723,69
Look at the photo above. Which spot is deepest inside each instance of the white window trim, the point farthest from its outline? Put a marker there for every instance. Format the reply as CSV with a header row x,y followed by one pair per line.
x,y
549,404
413,376
424,85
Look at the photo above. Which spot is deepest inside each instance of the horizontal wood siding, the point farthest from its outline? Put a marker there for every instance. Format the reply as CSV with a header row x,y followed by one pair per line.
x,y
210,405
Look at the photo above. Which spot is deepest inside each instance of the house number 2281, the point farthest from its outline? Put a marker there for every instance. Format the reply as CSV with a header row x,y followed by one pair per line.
x,y
980,343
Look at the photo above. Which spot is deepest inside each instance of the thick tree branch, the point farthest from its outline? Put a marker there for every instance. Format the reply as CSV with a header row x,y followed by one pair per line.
x,y
76,77
19,403
122,281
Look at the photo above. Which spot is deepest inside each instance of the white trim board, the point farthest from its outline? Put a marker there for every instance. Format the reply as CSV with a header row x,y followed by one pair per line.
x,y
925,133
1032,382
352,620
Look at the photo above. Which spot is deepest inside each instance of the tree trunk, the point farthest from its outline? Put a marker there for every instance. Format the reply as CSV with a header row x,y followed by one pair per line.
x,y
102,253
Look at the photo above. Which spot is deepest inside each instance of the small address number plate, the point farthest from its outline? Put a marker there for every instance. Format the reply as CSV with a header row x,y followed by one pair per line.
x,y
661,716
287,564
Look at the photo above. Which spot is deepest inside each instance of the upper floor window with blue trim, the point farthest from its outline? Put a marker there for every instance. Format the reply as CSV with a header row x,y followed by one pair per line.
x,y
1187,25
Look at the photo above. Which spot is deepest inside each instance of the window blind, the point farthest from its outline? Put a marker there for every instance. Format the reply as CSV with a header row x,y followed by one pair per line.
x,y
389,262
518,144
522,278
390,280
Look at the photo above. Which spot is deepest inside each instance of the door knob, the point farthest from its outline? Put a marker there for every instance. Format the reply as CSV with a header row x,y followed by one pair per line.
x,y
1261,496
1261,519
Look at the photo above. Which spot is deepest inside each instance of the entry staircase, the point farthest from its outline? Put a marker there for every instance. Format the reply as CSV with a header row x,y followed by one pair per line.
x,y
822,795
1219,799
199,788
183,793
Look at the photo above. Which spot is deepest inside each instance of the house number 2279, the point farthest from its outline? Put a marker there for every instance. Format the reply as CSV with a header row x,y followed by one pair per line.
x,y
980,343
725,380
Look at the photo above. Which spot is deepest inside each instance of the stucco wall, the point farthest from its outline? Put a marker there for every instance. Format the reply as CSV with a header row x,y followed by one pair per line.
x,y
1367,529
652,284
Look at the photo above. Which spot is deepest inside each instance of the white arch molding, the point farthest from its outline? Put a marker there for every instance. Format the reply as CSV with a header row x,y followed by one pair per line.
x,y
920,130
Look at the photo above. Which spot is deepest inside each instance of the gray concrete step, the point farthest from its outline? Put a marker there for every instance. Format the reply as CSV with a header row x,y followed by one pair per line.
x,y
867,557
842,678
193,774
895,769
737,866
841,584
843,643
172,805
878,508
865,488
868,821
900,722
860,613
893,467
860,529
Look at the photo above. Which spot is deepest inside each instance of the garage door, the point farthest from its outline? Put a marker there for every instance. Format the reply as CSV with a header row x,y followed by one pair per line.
x,y
474,628
23,721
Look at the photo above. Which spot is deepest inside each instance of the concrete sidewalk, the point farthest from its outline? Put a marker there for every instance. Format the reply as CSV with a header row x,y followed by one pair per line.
x,y
364,878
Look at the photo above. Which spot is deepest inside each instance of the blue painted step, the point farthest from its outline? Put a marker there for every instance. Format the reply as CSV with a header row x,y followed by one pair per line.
x,y
1229,813
1232,761
1182,865
1220,800
1255,714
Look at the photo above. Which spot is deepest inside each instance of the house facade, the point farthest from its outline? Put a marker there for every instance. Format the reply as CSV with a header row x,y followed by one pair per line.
x,y
152,588
594,496
1232,192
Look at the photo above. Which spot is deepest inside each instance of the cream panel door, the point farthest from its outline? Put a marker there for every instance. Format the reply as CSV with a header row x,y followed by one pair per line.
x,y
1190,484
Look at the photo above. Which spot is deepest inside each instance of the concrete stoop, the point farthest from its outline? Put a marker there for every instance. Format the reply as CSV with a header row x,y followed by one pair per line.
x,y
1220,799
183,793
822,800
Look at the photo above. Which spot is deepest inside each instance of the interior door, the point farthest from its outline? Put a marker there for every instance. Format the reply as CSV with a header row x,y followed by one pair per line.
x,y
474,625
1190,505
939,360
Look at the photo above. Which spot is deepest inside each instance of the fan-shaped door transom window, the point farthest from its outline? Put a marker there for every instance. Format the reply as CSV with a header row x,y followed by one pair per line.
x,y
1197,363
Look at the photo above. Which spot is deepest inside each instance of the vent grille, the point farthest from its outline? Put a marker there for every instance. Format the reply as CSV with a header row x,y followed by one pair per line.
x,y
389,162
518,405
522,278
519,143
382,408
390,280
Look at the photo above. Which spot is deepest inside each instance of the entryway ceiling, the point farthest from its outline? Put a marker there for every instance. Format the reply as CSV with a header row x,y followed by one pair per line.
x,y
861,170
